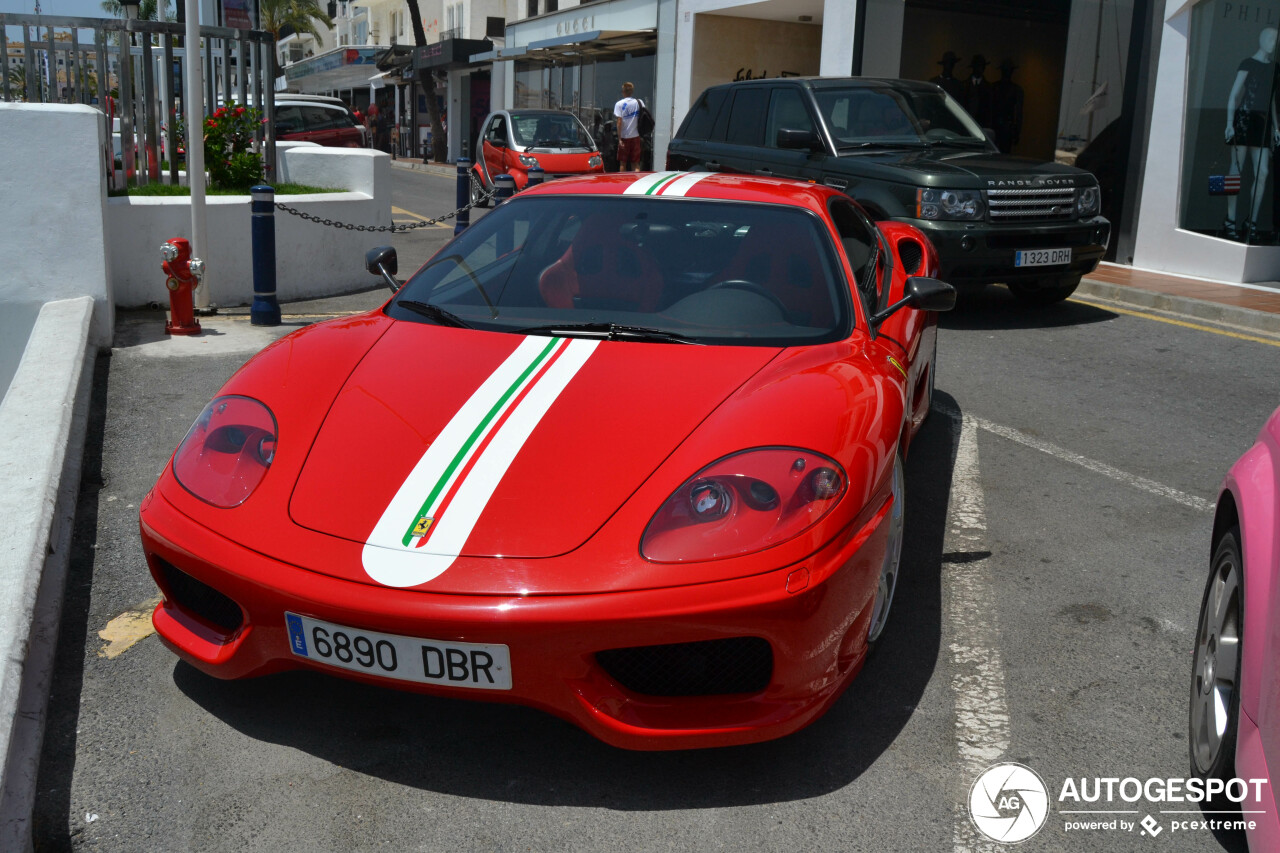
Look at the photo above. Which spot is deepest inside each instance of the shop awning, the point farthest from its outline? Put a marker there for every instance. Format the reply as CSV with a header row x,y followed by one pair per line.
x,y
449,52
590,43
341,68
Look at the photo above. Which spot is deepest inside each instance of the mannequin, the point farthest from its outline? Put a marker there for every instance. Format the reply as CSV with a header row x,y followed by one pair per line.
x,y
977,98
1006,108
1251,132
947,79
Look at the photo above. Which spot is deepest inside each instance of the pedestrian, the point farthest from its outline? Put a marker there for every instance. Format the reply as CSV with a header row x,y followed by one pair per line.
x,y
627,114
371,125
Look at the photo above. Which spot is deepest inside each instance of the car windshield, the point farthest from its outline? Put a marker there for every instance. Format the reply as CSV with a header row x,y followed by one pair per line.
x,y
638,268
549,130
872,117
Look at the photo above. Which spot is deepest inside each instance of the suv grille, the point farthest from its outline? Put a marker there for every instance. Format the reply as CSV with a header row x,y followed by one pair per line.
x,y
707,668
1027,205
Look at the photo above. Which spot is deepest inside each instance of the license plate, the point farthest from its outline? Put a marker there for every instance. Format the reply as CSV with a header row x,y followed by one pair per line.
x,y
476,665
1041,257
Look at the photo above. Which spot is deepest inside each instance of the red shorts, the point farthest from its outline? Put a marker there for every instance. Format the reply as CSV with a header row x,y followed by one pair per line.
x,y
629,150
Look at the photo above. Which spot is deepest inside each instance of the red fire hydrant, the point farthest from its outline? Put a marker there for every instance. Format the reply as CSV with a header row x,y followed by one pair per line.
x,y
182,283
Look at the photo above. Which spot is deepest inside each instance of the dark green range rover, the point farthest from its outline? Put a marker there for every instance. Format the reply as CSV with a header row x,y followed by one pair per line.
x,y
907,151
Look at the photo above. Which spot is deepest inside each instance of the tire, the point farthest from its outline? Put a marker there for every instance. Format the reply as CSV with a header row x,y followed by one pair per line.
x,y
1045,291
477,190
1213,717
890,567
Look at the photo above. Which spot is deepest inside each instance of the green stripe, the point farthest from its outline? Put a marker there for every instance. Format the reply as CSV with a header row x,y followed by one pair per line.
x,y
475,435
662,183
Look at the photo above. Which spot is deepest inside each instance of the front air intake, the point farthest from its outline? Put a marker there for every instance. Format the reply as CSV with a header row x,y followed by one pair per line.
x,y
707,668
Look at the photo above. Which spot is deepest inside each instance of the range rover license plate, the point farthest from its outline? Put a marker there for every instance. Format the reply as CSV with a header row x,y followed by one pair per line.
x,y
1041,257
444,662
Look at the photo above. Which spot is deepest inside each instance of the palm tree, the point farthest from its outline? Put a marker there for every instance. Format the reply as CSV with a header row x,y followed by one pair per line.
x,y
18,81
148,10
300,16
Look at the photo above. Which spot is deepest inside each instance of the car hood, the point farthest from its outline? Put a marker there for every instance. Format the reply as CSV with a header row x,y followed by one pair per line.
x,y
966,169
451,442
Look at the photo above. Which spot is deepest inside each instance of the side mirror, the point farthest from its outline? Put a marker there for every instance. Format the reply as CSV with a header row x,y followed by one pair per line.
x,y
382,261
925,294
804,140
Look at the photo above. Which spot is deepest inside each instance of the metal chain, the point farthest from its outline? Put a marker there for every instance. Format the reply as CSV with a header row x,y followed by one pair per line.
x,y
485,195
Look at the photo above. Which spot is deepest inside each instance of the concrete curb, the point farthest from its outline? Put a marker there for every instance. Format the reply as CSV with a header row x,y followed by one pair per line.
x,y
1231,315
43,419
441,169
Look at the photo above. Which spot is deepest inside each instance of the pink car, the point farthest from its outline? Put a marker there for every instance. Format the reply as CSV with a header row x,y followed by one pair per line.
x,y
1234,726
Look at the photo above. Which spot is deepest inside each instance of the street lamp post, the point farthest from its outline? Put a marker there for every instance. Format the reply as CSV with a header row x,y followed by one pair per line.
x,y
130,8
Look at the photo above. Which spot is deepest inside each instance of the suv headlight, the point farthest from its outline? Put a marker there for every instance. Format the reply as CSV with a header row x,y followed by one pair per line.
x,y
950,204
1089,201
527,161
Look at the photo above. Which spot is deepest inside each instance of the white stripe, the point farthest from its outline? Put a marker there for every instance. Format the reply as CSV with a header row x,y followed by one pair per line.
x,y
648,182
972,635
683,185
389,531
1140,483
390,563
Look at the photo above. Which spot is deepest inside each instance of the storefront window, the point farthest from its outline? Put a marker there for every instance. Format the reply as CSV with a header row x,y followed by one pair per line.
x,y
1231,130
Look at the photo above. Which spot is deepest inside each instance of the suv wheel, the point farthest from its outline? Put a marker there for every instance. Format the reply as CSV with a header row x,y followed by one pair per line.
x,y
1045,291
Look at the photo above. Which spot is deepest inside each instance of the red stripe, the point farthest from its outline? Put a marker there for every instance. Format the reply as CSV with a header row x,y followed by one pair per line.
x,y
484,443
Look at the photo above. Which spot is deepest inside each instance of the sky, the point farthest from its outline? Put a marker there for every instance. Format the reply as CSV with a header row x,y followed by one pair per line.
x,y
74,8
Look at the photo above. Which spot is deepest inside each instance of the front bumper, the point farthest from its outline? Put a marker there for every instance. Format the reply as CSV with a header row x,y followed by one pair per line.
x,y
977,253
813,614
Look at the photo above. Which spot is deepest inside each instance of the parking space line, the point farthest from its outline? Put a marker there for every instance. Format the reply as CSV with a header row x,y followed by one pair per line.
x,y
1061,453
971,633
1108,306
400,211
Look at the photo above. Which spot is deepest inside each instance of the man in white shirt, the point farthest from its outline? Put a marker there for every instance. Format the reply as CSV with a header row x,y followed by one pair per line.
x,y
627,113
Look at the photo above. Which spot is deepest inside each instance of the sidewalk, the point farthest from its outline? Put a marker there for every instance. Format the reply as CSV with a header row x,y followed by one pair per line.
x,y
1249,306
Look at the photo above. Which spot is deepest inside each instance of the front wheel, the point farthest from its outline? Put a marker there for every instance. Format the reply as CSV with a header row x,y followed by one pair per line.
x,y
478,195
1214,716
1045,291
888,582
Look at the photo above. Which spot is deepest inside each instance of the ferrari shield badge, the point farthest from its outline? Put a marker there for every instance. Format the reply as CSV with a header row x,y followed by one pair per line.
x,y
421,527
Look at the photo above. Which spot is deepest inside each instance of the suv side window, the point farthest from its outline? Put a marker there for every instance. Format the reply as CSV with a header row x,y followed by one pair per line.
x,y
702,117
317,118
289,119
858,240
746,123
787,111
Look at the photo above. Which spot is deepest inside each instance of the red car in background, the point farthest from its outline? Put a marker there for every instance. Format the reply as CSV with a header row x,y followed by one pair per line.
x,y
515,141
315,118
629,450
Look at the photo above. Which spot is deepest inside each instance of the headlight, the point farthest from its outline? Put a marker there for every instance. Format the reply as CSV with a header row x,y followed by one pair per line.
x,y
227,451
742,504
1089,201
595,160
950,204
527,161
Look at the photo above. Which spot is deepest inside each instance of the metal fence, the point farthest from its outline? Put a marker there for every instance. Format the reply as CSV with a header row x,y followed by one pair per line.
x,y
86,60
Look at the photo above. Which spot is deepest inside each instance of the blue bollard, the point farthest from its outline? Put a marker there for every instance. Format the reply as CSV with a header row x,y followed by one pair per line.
x,y
505,188
536,176
265,310
464,196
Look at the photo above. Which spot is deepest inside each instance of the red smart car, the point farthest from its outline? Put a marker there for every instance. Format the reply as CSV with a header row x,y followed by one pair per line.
x,y
515,141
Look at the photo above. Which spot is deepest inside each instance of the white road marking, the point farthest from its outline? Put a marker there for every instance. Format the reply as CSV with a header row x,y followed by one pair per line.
x,y
972,634
1137,482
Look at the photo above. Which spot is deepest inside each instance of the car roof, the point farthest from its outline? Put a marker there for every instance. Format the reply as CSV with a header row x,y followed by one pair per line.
x,y
834,83
538,112
711,185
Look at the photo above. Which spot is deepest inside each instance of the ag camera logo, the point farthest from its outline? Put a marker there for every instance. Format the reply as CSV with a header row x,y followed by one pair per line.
x,y
1009,803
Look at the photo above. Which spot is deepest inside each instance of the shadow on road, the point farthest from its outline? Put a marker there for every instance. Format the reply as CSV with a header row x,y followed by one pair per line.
x,y
994,308
515,754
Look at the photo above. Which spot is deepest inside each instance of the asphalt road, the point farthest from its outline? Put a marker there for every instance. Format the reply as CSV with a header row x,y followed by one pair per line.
x,y
1058,524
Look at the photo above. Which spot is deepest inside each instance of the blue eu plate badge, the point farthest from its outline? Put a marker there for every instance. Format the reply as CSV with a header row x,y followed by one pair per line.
x,y
297,637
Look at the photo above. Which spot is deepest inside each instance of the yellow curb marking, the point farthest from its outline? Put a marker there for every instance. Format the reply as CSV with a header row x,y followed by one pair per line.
x,y
1106,306
127,628
400,211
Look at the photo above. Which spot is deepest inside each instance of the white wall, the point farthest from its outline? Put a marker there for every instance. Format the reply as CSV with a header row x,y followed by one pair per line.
x,y
55,198
1161,245
882,49
312,260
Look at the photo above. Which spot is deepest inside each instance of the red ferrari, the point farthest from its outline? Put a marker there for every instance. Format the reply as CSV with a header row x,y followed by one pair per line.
x,y
628,450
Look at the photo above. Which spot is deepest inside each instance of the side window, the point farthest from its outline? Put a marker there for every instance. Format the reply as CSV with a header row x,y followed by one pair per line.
x,y
498,132
746,123
289,119
858,240
703,115
787,111
317,118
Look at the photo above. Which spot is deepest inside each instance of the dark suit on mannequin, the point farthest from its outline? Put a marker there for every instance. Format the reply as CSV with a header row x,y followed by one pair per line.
x,y
1006,108
977,95
947,79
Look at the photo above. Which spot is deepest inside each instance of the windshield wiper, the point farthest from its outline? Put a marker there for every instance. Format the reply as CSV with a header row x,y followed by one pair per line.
x,y
863,145
435,312
609,331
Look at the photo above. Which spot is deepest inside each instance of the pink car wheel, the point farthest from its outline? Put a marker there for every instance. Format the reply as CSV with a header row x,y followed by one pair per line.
x,y
1215,695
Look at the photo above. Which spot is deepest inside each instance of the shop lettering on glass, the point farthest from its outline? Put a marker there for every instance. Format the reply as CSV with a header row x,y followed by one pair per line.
x,y
585,24
1251,13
